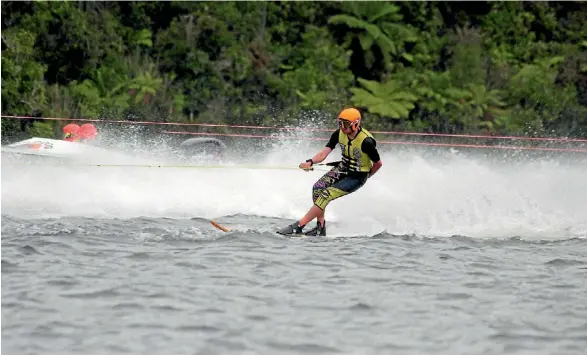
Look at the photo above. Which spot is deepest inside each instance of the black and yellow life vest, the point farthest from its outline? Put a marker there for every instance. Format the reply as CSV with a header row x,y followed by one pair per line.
x,y
353,157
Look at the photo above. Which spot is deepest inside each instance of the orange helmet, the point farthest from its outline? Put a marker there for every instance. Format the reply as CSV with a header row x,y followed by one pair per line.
x,y
71,132
349,118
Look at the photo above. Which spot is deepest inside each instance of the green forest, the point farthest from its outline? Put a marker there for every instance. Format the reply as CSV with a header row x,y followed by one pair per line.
x,y
497,68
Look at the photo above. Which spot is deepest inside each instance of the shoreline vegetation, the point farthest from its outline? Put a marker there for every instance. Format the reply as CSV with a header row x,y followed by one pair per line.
x,y
487,68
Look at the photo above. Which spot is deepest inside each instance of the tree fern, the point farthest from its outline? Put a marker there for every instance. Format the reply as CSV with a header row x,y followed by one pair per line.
x,y
377,24
388,99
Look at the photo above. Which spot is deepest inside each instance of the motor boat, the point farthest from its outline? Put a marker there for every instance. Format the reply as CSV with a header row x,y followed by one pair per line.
x,y
193,150
54,149
201,149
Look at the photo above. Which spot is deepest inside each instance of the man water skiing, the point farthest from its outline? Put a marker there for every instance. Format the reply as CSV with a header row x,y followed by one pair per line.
x,y
360,161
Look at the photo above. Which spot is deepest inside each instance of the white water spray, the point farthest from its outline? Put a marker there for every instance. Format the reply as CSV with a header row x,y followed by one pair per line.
x,y
444,195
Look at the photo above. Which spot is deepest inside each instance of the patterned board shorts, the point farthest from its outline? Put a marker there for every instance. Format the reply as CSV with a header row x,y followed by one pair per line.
x,y
335,184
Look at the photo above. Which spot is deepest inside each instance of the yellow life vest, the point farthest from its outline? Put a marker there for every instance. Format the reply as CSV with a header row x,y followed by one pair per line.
x,y
353,157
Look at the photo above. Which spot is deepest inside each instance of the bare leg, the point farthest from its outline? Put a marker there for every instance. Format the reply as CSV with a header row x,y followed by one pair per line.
x,y
314,212
321,217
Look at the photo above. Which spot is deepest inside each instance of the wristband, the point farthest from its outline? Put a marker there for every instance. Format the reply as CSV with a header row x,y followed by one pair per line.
x,y
310,161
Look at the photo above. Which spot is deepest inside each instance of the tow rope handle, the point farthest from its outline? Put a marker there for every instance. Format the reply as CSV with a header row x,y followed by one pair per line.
x,y
332,163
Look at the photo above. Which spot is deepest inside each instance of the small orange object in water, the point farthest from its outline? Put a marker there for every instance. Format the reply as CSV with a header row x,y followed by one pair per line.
x,y
219,226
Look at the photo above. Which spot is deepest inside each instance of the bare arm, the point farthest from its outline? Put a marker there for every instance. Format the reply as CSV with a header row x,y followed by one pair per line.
x,y
369,147
321,155
375,167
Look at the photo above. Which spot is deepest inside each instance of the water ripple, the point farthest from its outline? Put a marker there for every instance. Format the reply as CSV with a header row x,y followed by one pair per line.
x,y
161,285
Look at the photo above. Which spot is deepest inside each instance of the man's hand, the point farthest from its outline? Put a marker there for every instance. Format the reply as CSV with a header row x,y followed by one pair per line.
x,y
318,158
306,165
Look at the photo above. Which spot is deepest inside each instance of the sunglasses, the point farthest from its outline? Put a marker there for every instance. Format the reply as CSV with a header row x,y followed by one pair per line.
x,y
346,124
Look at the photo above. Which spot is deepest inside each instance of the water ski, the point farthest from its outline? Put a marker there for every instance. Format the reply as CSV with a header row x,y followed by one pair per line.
x,y
222,228
293,230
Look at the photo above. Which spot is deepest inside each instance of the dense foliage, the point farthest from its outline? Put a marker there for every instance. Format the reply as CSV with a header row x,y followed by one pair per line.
x,y
458,67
